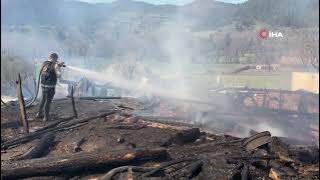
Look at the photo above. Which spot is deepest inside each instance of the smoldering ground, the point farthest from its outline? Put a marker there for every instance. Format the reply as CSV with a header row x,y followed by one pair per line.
x,y
121,41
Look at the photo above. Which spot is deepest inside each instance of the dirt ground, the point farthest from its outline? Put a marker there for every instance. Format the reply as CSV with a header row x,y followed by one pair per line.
x,y
218,153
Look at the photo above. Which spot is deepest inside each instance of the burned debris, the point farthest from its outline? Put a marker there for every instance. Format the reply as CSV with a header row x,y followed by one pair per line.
x,y
119,141
115,137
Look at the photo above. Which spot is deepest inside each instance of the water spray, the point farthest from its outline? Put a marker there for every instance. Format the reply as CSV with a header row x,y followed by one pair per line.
x,y
143,86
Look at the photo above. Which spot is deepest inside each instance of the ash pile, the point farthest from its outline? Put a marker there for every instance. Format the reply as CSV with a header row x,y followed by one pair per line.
x,y
126,138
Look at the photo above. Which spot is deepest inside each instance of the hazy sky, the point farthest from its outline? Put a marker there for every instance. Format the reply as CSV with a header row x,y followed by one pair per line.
x,y
179,2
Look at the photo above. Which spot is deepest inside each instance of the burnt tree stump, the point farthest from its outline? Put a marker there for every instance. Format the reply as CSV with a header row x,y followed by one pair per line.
x,y
73,103
22,107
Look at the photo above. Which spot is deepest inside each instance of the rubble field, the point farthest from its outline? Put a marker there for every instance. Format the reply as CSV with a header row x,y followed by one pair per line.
x,y
111,139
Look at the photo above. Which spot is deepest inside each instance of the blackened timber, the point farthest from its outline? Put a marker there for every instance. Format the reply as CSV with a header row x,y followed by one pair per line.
x,y
73,103
94,98
55,123
39,148
77,163
22,106
247,158
194,169
167,164
185,136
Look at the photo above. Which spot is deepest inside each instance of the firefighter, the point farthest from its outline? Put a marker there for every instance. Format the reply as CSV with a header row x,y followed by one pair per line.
x,y
51,71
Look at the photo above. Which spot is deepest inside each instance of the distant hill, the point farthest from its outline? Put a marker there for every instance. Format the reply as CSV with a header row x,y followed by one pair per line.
x,y
207,14
287,13
126,28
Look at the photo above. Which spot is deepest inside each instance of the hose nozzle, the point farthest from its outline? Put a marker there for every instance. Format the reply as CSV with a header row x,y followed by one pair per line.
x,y
61,64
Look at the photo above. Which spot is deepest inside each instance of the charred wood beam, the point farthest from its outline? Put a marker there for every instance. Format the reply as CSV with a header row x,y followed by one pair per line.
x,y
76,163
176,170
39,148
163,121
53,124
38,134
194,169
165,165
257,140
163,118
209,147
185,136
248,157
128,127
71,127
229,142
73,103
80,121
95,98
126,107
22,106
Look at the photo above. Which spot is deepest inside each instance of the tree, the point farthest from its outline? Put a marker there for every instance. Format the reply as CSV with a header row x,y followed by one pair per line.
x,y
10,67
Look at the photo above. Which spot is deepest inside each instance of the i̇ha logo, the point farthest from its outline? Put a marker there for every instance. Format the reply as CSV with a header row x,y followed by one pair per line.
x,y
264,34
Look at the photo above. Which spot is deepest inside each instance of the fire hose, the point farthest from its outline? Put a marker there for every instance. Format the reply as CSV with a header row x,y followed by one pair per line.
x,y
37,88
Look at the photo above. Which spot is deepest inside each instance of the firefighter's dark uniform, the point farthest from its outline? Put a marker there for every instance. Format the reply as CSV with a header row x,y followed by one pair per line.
x,y
49,75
